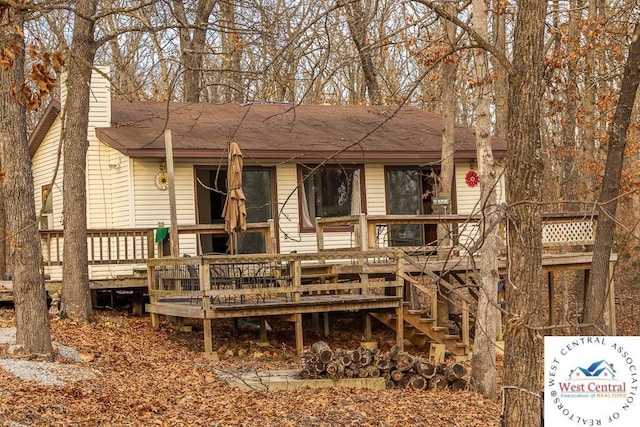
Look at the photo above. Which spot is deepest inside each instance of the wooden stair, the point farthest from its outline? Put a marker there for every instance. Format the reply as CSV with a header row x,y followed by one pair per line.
x,y
421,330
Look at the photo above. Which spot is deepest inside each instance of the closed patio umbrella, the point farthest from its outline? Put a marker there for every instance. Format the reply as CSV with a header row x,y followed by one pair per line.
x,y
235,209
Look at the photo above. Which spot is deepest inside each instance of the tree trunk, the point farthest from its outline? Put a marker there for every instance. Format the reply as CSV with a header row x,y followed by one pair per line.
x,y
357,20
501,83
76,295
30,299
484,372
3,228
525,284
231,53
192,45
448,113
598,287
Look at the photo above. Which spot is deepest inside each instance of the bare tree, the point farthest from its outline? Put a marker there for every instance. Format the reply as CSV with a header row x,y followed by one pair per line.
x,y
3,233
76,296
524,287
500,82
358,19
30,300
597,290
192,44
231,53
484,372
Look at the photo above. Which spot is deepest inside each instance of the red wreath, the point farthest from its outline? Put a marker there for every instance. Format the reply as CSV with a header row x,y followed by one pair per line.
x,y
472,179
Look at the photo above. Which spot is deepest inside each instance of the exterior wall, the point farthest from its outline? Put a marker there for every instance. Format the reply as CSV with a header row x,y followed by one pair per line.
x,y
468,199
99,176
122,194
291,239
376,199
375,189
151,205
45,162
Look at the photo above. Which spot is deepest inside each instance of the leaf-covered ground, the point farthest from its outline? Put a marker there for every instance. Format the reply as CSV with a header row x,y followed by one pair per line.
x,y
158,377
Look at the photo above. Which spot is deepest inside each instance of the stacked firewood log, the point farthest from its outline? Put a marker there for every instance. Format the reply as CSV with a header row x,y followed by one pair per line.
x,y
398,368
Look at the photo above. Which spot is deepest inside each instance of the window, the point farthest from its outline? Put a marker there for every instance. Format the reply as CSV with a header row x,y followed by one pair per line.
x,y
410,191
257,184
46,221
329,191
47,199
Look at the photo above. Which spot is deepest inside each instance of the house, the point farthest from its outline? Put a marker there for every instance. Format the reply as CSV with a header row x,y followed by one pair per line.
x,y
300,162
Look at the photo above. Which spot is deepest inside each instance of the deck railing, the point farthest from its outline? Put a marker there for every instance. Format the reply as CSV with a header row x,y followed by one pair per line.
x,y
238,279
105,246
128,248
371,231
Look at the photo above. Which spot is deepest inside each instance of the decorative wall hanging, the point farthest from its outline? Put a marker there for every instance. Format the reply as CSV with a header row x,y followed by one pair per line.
x,y
162,179
472,179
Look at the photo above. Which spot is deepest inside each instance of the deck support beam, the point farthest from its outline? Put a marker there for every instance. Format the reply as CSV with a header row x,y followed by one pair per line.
x,y
367,327
552,297
299,334
263,329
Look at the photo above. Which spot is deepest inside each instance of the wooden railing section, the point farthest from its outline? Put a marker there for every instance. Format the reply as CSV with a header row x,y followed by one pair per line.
x,y
104,246
235,279
371,231
133,245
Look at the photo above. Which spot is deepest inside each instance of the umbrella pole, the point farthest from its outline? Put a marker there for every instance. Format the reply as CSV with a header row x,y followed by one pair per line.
x,y
233,243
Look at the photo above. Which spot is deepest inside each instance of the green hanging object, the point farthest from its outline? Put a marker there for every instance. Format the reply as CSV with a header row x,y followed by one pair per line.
x,y
162,234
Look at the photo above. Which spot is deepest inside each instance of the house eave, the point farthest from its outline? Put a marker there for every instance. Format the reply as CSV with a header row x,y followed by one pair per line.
x,y
44,124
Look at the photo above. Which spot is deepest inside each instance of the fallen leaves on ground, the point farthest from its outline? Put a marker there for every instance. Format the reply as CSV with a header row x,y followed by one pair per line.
x,y
159,377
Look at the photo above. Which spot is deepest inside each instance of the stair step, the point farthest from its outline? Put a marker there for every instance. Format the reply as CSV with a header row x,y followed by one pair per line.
x,y
451,337
438,328
427,320
416,311
461,345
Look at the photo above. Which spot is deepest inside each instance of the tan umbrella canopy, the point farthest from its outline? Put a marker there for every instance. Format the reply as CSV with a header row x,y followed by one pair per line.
x,y
235,209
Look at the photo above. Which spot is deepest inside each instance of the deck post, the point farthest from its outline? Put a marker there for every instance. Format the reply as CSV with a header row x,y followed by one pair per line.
x,y
552,297
399,309
319,235
263,329
271,237
173,228
299,334
151,282
138,299
465,324
361,235
207,322
296,270
367,327
372,241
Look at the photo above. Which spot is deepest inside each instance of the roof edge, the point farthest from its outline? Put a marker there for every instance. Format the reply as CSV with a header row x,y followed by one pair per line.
x,y
44,125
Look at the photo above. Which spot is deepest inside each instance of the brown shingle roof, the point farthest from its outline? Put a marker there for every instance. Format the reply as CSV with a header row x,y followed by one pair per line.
x,y
276,131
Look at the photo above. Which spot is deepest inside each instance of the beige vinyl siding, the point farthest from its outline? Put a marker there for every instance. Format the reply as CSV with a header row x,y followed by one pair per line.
x,y
374,184
291,239
468,199
376,198
121,191
99,207
151,205
44,165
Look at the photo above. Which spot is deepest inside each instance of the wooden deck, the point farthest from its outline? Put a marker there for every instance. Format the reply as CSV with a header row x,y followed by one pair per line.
x,y
218,287
398,286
